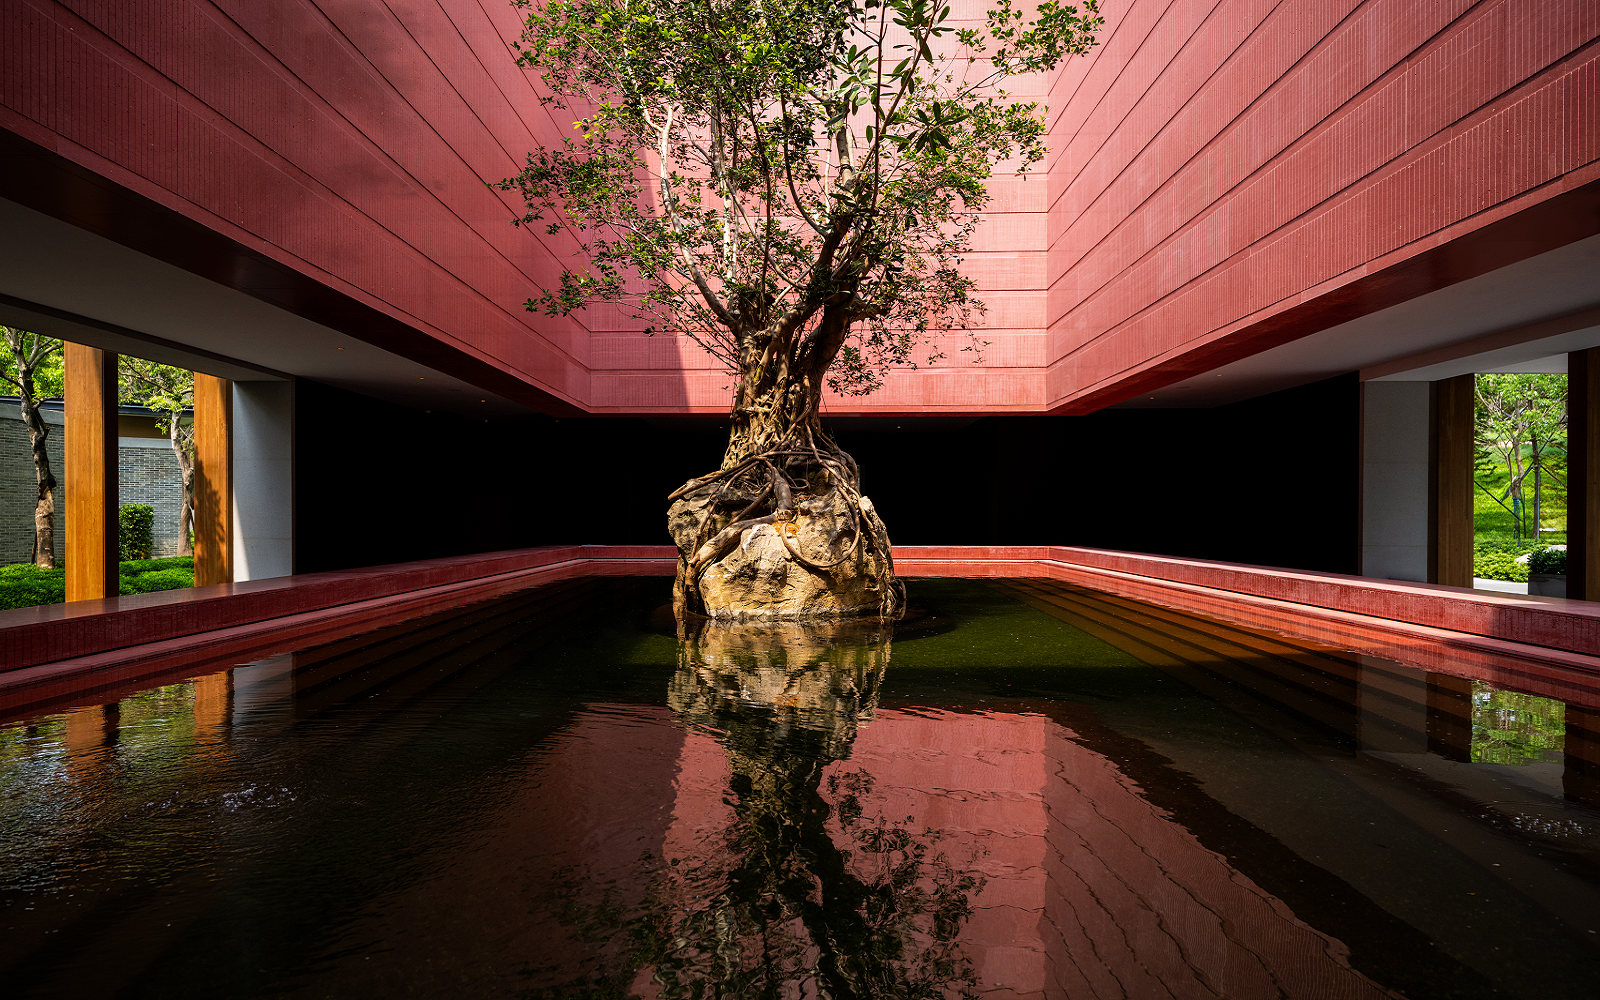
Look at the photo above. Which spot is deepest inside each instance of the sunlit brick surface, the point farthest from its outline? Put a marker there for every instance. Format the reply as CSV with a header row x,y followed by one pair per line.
x,y
1217,165
1214,168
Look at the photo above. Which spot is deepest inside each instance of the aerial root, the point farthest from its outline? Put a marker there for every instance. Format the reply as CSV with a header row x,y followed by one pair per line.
x,y
776,467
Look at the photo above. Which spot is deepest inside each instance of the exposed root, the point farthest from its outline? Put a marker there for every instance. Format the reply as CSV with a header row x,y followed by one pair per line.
x,y
798,482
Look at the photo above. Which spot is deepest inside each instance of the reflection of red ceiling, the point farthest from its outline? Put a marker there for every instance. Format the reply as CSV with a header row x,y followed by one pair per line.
x,y
1225,178
1089,889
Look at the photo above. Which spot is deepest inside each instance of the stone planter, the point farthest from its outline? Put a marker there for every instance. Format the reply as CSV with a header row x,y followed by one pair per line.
x,y
1547,584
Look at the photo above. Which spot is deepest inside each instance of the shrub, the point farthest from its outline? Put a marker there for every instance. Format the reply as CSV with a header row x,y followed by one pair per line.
x,y
161,579
145,576
1552,561
25,585
135,530
1499,566
130,567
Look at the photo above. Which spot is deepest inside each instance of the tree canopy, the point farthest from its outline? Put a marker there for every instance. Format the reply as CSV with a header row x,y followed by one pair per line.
x,y
32,358
167,390
791,183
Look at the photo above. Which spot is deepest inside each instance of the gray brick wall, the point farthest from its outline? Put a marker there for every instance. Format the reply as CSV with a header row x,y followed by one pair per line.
x,y
149,475
18,488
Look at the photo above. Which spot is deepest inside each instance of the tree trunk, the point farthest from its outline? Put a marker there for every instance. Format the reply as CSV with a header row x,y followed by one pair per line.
x,y
186,470
1537,469
44,508
781,530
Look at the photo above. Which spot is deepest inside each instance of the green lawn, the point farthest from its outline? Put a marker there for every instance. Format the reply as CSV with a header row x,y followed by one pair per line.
x,y
24,585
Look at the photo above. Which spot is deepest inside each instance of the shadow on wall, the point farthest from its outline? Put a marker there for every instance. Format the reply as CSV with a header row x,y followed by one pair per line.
x,y
1271,481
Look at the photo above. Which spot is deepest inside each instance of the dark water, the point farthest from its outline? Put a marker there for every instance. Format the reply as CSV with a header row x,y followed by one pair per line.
x,y
1027,790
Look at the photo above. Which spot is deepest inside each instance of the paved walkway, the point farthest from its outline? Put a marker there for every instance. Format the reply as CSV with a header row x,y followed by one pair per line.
x,y
1500,586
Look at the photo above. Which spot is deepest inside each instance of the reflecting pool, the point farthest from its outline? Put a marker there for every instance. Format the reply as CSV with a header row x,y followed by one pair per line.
x,y
1025,789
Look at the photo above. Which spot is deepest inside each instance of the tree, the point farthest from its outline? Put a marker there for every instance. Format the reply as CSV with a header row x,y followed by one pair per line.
x,y
1522,422
792,184
33,368
170,392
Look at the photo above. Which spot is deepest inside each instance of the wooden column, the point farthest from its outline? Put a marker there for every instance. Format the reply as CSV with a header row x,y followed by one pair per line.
x,y
91,473
1450,525
1450,717
213,480
1583,474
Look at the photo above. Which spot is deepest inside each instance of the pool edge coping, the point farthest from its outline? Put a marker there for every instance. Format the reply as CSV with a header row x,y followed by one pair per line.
x,y
49,644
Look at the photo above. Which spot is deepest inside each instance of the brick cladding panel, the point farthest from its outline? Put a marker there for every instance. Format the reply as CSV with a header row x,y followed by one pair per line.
x,y
1210,162
329,132
1216,163
352,140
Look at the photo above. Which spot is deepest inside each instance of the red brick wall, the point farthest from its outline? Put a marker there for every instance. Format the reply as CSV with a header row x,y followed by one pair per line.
x,y
1226,175
346,140
1219,164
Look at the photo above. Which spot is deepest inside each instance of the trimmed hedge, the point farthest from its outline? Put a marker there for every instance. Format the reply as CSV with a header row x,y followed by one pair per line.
x,y
24,585
161,579
130,567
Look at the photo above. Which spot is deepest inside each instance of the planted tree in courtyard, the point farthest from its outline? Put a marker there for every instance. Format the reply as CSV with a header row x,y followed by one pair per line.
x,y
793,185
170,392
1522,424
32,368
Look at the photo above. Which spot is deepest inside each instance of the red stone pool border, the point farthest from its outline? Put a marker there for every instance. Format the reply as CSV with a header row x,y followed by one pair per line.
x,y
1524,641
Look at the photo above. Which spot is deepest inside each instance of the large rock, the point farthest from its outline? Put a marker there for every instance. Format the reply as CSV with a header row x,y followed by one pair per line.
x,y
759,577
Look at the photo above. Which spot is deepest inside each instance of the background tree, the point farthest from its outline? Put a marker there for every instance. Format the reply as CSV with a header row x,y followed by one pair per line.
x,y
32,368
170,392
792,184
1521,423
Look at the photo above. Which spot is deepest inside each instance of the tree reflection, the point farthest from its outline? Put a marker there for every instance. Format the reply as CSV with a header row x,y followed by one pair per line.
x,y
804,893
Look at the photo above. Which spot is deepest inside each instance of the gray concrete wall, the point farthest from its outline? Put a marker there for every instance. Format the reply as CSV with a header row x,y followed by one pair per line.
x,y
1394,480
263,480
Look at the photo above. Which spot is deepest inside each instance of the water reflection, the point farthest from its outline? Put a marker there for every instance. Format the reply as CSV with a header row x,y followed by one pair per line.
x,y
805,891
1509,727
460,807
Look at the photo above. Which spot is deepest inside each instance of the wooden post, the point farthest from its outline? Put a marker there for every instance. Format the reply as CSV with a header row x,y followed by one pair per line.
x,y
213,480
91,473
1583,474
1450,526
1450,717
